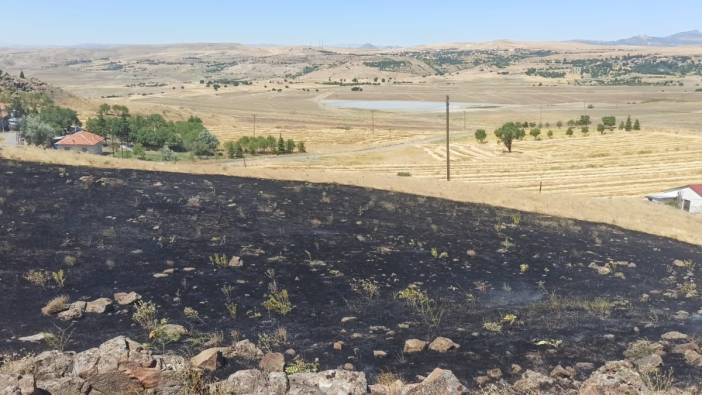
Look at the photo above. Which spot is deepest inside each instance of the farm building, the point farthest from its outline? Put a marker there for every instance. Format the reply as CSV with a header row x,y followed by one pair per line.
x,y
82,141
687,198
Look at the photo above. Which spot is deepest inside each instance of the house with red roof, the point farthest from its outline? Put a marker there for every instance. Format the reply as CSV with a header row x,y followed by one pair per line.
x,y
687,198
82,141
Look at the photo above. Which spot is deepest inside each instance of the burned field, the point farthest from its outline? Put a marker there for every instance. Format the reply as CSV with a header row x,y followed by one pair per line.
x,y
339,274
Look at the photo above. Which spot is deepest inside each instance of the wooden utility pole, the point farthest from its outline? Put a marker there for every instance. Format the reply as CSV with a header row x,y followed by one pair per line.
x,y
254,125
448,152
464,120
372,121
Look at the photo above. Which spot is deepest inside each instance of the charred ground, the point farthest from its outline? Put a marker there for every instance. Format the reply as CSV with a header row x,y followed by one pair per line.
x,y
508,287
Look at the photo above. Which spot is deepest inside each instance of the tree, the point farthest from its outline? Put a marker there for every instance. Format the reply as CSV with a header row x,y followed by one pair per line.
x,y
609,122
559,124
621,125
239,151
550,134
508,133
22,74
628,126
205,144
281,145
480,135
569,132
139,151
301,147
584,120
36,131
535,133
584,130
230,149
601,128
637,125
289,146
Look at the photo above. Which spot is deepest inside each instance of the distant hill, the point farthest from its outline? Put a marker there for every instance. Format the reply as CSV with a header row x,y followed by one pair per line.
x,y
693,37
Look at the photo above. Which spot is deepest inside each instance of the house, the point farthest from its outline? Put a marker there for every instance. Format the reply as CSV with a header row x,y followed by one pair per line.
x,y
687,198
82,141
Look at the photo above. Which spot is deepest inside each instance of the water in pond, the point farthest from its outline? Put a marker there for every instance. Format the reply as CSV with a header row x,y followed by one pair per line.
x,y
406,105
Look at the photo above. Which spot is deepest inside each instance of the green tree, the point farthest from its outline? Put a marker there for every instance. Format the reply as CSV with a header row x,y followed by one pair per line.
x,y
570,132
301,147
508,133
205,144
550,134
37,132
480,135
584,120
289,146
535,133
601,128
584,130
637,125
139,151
238,151
281,145
609,122
559,124
621,125
22,74
230,149
628,126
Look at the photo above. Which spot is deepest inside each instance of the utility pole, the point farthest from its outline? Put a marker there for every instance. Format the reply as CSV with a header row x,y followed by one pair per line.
x,y
372,121
448,153
464,120
254,125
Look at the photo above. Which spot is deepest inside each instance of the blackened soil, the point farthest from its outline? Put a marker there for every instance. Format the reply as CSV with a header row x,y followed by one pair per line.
x,y
314,240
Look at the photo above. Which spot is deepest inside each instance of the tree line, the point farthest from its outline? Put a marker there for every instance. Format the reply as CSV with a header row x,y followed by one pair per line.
x,y
261,145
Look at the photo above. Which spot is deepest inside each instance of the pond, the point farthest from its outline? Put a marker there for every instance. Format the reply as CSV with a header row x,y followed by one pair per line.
x,y
406,105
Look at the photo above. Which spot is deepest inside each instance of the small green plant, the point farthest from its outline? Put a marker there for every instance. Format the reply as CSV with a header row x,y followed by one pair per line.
x,y
269,341
510,319
191,314
219,261
659,381
59,278
427,308
516,219
145,314
299,365
160,335
492,326
231,309
523,268
366,287
37,278
60,338
278,302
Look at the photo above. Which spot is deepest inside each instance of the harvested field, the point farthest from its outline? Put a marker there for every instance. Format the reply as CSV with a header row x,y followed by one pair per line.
x,y
508,287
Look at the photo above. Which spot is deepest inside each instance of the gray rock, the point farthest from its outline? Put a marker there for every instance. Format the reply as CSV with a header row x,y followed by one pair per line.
x,y
272,362
443,344
439,382
615,377
414,345
124,298
328,382
37,338
532,381
98,306
251,382
75,311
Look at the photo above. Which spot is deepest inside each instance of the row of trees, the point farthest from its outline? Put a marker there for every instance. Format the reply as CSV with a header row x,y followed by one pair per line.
x,y
262,145
153,132
42,119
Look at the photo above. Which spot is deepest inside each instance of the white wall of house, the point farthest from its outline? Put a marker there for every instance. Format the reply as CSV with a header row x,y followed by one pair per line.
x,y
695,201
92,149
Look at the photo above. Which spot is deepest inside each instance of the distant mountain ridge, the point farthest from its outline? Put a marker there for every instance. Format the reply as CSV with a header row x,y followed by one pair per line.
x,y
692,37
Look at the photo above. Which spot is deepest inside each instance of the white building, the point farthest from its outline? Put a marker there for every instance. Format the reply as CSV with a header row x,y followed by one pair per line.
x,y
687,198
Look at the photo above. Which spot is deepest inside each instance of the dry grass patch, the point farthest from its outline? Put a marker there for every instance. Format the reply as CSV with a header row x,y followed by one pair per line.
x,y
56,305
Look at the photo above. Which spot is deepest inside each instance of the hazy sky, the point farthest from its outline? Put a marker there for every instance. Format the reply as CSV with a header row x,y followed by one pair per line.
x,y
396,22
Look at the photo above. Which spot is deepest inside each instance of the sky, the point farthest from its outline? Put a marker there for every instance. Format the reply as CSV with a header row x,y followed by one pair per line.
x,y
338,22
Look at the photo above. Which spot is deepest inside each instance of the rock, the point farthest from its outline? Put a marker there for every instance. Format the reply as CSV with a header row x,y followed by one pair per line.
x,y
348,366
494,374
439,382
515,369
532,381
236,262
684,347
681,315
338,345
290,352
160,275
348,319
17,384
674,336
614,378
251,382
442,344
98,306
147,377
244,349
123,298
272,362
52,365
693,358
210,359
62,386
114,382
561,372
328,382
85,363
648,363
414,345
75,311
118,350
37,338
482,380
379,354
584,367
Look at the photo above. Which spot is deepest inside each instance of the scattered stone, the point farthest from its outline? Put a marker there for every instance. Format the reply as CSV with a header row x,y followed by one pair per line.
x,y
495,374
272,362
532,381
584,367
160,275
236,261
615,377
682,348
681,315
379,354
439,382
290,352
442,344
348,319
171,331
693,358
674,336
516,369
189,269
98,306
338,345
209,359
37,338
414,345
481,380
244,349
648,363
123,298
348,366
328,382
74,312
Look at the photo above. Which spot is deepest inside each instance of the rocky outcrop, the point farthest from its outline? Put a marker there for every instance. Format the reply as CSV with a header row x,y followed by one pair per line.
x,y
616,377
439,382
328,382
